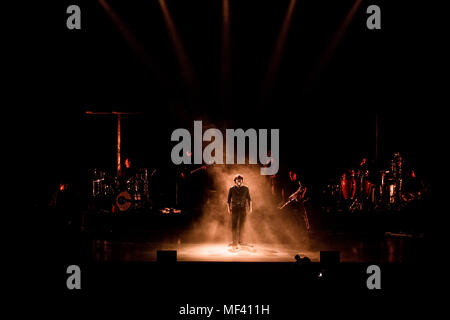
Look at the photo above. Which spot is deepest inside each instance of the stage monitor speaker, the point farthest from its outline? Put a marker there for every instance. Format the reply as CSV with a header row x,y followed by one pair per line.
x,y
166,256
330,257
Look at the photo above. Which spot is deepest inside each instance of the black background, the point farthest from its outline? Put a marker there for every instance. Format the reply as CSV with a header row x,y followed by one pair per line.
x,y
326,120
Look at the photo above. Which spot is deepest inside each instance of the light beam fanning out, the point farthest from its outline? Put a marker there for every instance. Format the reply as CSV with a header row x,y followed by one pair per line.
x,y
279,47
337,37
226,50
183,59
127,34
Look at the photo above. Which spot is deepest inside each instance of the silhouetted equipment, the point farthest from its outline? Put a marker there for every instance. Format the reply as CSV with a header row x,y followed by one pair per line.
x,y
302,261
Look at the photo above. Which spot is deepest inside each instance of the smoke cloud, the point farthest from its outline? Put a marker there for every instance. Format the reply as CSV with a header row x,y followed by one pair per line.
x,y
265,225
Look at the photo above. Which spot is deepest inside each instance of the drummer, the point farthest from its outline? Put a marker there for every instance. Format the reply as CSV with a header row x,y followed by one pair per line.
x,y
128,171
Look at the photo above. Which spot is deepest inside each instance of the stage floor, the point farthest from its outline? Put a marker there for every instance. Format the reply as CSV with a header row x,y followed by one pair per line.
x,y
103,250
359,248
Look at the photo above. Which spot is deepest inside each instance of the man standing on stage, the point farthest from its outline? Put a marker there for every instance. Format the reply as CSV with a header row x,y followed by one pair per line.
x,y
238,198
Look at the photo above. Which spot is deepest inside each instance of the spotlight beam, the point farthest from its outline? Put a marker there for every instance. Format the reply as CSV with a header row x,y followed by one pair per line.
x,y
226,51
274,64
183,59
337,37
127,34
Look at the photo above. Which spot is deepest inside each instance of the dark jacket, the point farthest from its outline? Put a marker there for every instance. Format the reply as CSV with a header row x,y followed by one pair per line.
x,y
238,196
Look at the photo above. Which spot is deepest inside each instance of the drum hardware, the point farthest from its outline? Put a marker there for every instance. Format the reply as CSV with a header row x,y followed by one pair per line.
x,y
170,211
391,188
356,205
333,191
133,193
392,193
97,187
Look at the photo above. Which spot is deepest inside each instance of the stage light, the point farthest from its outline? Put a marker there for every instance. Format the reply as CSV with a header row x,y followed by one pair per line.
x,y
279,47
337,37
226,50
126,32
180,52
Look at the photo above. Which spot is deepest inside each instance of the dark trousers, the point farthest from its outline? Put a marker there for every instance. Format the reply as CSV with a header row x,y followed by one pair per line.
x,y
238,215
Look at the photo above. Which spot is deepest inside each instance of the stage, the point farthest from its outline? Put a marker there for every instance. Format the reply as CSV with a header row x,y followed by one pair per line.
x,y
103,250
362,248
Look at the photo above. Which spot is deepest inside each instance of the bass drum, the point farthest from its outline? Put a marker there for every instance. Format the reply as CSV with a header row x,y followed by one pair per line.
x,y
123,201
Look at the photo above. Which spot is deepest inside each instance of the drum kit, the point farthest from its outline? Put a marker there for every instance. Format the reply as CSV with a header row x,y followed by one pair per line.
x,y
359,190
356,189
102,185
124,194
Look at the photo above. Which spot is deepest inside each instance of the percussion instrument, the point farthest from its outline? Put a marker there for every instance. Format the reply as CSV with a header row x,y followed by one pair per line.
x,y
348,185
132,193
123,201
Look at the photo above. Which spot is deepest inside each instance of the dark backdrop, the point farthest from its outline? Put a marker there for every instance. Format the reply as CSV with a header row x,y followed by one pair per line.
x,y
326,120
